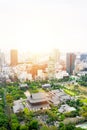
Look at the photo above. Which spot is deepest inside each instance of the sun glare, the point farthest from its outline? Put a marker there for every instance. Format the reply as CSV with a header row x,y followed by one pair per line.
x,y
34,48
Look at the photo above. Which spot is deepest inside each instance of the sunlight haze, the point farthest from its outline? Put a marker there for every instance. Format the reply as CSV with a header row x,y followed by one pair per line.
x,y
40,25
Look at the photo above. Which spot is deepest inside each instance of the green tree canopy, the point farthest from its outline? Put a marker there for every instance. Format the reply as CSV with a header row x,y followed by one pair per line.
x,y
33,125
23,127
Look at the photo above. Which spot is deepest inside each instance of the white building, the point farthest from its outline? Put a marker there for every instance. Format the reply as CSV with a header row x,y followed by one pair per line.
x,y
18,106
66,108
61,74
23,76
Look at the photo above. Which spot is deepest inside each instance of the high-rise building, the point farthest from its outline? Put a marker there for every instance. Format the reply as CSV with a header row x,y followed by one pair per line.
x,y
2,58
83,57
14,57
56,55
51,68
70,62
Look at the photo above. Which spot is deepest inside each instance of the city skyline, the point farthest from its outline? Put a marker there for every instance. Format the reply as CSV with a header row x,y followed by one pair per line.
x,y
43,25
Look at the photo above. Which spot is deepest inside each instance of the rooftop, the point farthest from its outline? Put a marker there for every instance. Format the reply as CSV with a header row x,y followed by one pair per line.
x,y
18,106
37,97
66,108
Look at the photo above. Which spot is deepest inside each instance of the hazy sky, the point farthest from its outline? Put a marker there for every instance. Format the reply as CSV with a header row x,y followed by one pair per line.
x,y
40,25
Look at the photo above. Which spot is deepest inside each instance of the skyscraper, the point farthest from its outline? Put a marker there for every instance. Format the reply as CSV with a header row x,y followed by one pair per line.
x,y
83,57
56,55
2,58
14,57
70,62
51,68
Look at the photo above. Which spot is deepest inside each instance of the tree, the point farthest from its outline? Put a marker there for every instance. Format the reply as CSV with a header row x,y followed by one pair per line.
x,y
52,115
76,87
62,117
85,115
14,122
1,91
28,114
83,80
83,111
3,120
61,125
14,118
63,128
15,126
20,116
1,109
9,98
3,128
33,125
67,127
45,128
72,114
23,127
53,128
70,127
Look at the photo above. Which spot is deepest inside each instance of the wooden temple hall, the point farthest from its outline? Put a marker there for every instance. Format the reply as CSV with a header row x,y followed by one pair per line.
x,y
37,101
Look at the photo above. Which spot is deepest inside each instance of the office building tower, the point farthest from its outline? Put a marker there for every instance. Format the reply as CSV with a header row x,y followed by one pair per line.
x,y
2,58
56,55
70,62
14,57
83,57
51,68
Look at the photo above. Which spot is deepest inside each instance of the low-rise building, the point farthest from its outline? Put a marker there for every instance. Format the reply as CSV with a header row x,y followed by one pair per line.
x,y
58,96
66,108
46,86
23,85
61,74
18,106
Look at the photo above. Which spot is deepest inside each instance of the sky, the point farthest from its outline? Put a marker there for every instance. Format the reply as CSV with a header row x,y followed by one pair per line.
x,y
41,25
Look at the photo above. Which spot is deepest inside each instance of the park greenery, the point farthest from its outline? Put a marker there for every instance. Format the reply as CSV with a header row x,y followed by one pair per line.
x,y
83,80
28,120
